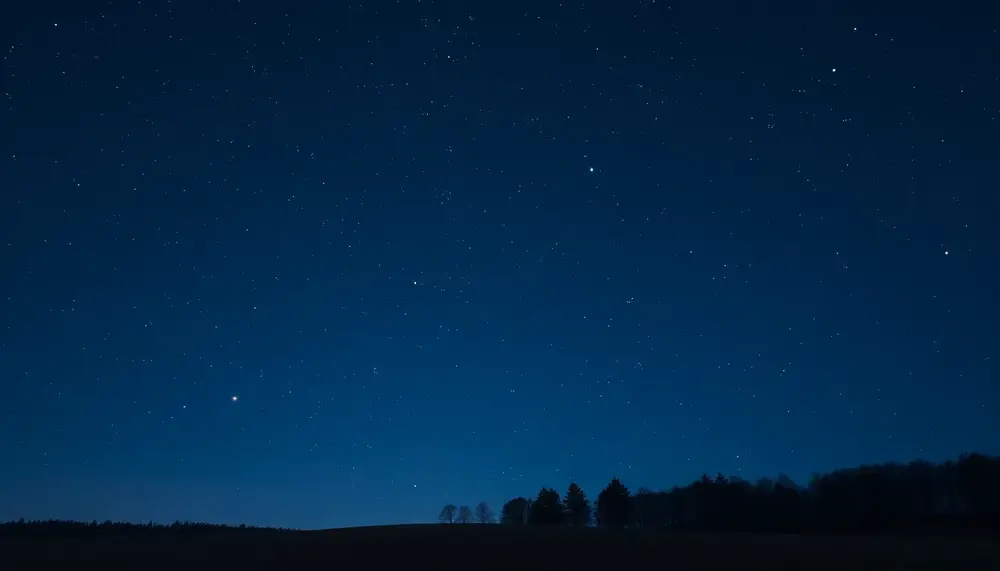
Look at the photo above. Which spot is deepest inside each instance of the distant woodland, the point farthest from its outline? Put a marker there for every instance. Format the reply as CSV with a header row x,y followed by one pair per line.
x,y
922,497
45,529
959,496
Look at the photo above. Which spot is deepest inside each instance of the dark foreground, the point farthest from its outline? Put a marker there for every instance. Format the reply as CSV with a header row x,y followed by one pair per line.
x,y
495,547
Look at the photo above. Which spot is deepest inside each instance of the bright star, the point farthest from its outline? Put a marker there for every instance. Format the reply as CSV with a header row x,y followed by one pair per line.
x,y
235,398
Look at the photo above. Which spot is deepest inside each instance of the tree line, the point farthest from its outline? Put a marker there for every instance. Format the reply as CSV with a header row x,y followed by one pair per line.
x,y
920,496
56,528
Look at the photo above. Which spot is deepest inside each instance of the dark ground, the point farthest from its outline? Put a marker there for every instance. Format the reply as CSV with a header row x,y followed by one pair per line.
x,y
495,547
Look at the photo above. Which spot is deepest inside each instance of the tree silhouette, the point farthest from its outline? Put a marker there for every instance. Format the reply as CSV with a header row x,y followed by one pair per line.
x,y
448,513
515,511
52,529
885,498
956,496
576,506
483,513
614,505
953,496
546,509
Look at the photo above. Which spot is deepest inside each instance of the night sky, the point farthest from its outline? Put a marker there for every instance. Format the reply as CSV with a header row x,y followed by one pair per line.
x,y
327,264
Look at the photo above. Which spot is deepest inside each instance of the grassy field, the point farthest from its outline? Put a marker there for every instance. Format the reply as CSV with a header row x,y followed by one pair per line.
x,y
478,547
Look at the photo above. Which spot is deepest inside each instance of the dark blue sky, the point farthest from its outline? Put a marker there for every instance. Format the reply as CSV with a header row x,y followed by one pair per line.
x,y
319,264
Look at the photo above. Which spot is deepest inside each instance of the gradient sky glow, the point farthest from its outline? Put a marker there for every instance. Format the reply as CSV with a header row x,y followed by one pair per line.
x,y
327,264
